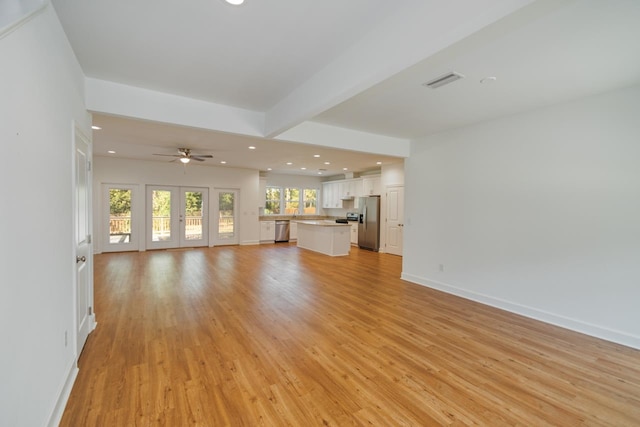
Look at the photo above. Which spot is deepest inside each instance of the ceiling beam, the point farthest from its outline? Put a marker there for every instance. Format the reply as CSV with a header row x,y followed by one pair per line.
x,y
346,139
117,99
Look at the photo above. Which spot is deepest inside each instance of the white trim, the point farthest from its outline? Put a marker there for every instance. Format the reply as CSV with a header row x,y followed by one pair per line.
x,y
63,396
533,313
8,29
249,242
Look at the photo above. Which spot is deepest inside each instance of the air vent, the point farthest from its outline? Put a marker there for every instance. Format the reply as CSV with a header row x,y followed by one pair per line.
x,y
443,80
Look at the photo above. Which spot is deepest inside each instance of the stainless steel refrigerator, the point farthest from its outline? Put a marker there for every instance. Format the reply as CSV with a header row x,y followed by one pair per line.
x,y
369,223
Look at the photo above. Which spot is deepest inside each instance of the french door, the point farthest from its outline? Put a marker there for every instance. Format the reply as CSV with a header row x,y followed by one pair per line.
x,y
177,217
226,215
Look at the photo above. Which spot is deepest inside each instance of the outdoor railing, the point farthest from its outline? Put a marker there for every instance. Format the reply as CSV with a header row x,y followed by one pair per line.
x,y
162,225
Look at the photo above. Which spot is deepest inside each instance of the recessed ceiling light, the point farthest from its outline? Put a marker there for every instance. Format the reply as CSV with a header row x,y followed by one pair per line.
x,y
378,163
289,163
316,155
251,147
304,169
269,169
235,2
223,162
96,128
327,163
345,169
111,152
319,173
489,79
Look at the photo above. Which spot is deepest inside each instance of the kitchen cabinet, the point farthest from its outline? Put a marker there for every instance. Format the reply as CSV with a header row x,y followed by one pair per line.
x,y
326,237
267,231
331,195
354,233
357,193
371,186
349,189
293,230
338,194
327,195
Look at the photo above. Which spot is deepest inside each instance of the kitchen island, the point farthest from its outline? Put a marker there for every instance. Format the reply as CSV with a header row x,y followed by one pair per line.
x,y
327,237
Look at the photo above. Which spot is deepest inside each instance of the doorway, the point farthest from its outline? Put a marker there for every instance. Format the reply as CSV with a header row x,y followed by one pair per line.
x,y
177,217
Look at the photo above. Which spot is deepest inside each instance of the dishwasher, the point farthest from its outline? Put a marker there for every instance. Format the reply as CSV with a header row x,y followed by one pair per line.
x,y
282,231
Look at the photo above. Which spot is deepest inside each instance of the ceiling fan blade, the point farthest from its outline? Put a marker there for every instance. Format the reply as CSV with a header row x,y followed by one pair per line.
x,y
196,159
204,156
167,155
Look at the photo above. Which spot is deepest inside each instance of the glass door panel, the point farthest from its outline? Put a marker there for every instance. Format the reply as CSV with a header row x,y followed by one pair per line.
x,y
227,233
119,215
193,217
160,215
120,228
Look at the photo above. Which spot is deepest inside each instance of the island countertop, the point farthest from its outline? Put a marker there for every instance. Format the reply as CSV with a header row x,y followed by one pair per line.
x,y
323,223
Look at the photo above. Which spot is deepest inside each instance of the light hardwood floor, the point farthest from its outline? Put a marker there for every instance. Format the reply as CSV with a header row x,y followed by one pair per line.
x,y
274,335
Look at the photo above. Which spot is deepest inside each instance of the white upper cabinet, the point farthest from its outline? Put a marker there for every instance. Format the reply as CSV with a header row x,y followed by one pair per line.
x,y
371,186
338,194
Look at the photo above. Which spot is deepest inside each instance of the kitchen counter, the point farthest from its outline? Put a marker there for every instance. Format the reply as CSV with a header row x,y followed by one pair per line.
x,y
325,236
292,217
322,223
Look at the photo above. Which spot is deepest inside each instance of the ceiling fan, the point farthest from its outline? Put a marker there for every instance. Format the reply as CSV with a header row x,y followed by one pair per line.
x,y
185,156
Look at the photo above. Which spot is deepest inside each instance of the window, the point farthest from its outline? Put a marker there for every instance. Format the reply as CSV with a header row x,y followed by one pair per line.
x,y
296,201
291,201
310,201
272,203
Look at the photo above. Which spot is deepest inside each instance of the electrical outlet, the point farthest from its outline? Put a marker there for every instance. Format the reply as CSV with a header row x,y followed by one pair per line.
x,y
441,268
66,342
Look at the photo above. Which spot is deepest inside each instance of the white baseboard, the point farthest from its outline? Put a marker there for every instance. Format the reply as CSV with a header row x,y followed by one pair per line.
x,y
63,395
533,313
250,242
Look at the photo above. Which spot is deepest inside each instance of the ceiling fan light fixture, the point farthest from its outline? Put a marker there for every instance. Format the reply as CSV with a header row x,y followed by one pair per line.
x,y
185,160
235,2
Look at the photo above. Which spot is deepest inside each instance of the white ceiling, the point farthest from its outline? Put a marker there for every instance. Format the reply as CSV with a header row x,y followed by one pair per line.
x,y
263,54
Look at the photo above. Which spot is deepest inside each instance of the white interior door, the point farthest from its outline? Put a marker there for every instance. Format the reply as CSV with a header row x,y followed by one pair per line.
x,y
395,219
176,217
120,225
83,251
226,214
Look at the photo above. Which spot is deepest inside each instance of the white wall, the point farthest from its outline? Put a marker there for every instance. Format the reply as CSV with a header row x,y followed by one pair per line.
x,y
126,171
42,93
392,174
538,213
285,180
